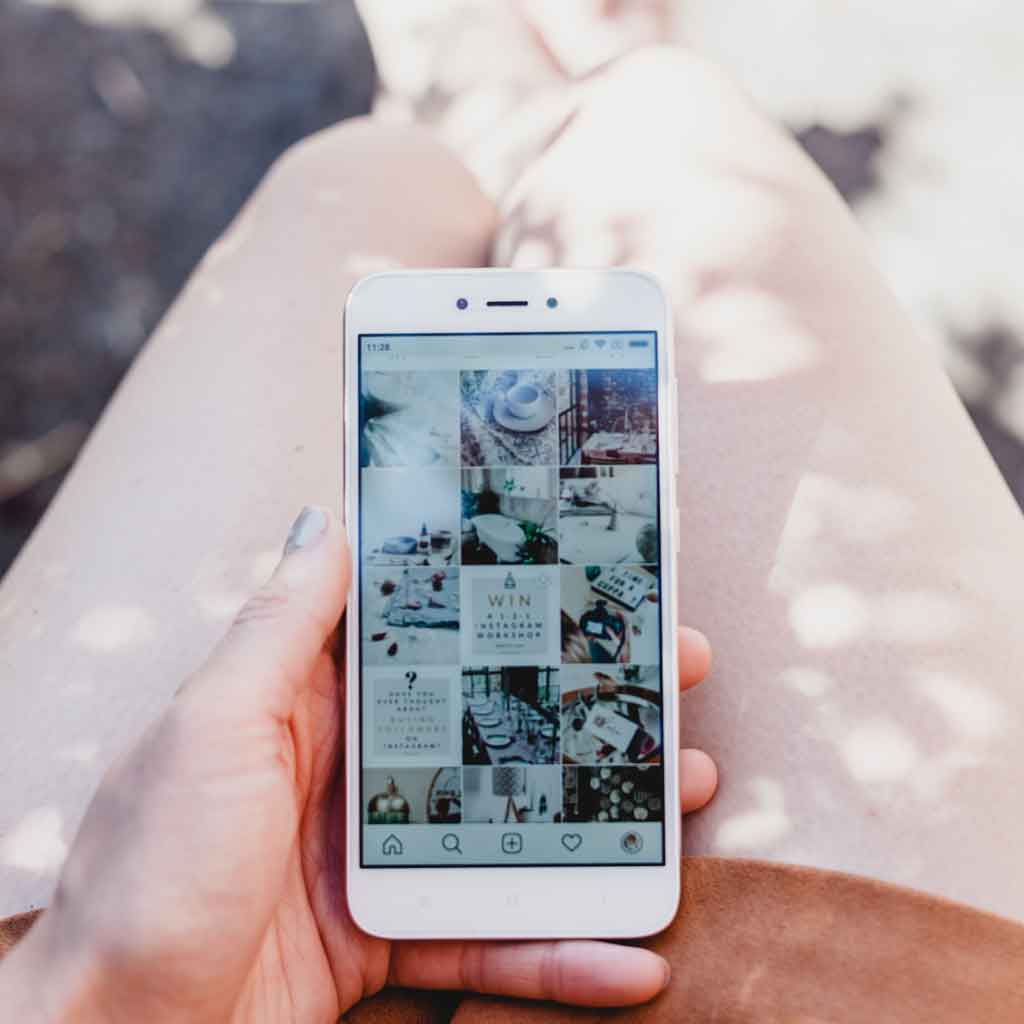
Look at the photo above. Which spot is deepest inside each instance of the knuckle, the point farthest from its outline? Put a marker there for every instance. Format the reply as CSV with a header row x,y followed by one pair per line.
x,y
473,967
265,605
551,969
275,603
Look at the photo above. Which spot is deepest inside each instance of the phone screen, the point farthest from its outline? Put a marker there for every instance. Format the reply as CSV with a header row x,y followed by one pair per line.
x,y
510,622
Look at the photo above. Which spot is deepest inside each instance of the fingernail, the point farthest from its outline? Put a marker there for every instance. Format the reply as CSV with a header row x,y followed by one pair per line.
x,y
307,529
697,636
668,975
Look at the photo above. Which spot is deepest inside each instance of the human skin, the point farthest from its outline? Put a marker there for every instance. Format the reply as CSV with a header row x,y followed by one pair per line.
x,y
227,423
847,542
207,879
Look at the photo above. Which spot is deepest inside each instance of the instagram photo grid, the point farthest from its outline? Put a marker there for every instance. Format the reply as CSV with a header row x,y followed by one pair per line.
x,y
510,596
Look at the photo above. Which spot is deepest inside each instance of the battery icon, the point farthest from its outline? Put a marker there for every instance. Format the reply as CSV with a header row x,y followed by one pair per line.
x,y
638,343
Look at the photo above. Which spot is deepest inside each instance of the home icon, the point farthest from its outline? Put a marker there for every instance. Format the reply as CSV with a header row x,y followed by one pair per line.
x,y
392,846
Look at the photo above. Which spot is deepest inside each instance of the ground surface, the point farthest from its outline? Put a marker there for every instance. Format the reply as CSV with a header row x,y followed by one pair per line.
x,y
121,159
131,131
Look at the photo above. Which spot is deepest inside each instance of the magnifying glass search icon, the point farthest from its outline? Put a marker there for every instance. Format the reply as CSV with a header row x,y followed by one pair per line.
x,y
450,842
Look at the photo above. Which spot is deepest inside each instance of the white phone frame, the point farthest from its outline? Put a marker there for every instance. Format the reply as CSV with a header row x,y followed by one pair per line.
x,y
612,901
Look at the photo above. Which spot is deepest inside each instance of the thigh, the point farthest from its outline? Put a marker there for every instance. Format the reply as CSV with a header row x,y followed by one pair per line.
x,y
847,542
226,425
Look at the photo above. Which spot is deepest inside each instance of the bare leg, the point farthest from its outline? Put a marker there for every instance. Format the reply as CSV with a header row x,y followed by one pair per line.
x,y
229,421
847,542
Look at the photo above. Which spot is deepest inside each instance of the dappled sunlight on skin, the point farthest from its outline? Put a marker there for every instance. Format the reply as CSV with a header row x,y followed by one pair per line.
x,y
861,514
827,557
222,606
496,105
902,761
36,843
935,777
941,222
114,627
823,529
810,682
262,381
590,191
917,617
968,710
750,335
757,829
219,589
885,759
643,231
828,615
439,65
879,751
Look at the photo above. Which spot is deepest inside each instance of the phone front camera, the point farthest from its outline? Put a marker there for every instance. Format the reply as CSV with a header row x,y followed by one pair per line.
x,y
552,302
462,303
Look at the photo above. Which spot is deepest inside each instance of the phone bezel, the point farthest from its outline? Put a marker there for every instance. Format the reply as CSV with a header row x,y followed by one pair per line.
x,y
613,901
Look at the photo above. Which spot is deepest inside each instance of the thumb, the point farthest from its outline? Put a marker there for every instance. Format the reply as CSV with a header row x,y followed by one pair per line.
x,y
267,656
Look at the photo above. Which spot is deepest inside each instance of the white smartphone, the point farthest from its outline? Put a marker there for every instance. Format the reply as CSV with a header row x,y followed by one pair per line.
x,y
512,734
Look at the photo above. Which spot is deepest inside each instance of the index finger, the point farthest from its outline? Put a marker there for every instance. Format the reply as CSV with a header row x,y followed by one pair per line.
x,y
583,973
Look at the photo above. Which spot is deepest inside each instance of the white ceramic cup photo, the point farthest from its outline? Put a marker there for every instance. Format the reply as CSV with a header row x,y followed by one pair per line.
x,y
522,400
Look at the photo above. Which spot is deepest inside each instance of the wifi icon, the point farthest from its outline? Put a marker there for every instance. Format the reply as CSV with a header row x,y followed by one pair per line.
x,y
600,342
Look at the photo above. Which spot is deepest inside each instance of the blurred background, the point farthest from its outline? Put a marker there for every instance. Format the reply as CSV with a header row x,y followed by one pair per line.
x,y
132,130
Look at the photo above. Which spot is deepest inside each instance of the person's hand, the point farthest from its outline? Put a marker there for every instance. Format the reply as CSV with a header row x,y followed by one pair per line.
x,y
207,879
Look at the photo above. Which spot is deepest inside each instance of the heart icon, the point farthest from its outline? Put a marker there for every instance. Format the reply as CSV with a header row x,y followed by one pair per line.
x,y
572,841
600,342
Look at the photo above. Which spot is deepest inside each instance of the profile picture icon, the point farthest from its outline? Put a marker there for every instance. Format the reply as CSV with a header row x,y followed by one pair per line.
x,y
631,842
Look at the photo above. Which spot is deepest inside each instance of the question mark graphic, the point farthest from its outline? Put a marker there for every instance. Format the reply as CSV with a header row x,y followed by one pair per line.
x,y
411,676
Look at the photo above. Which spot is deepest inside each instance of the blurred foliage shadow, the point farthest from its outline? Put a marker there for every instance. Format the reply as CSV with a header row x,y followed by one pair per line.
x,y
120,162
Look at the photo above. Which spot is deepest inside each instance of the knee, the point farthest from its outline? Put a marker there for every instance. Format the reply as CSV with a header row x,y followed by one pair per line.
x,y
667,71
668,89
700,185
691,109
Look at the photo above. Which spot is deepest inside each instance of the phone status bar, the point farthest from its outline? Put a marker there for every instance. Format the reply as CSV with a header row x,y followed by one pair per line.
x,y
583,350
